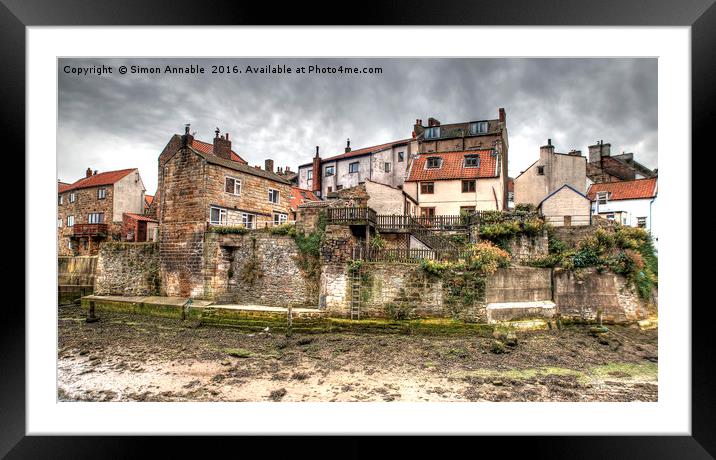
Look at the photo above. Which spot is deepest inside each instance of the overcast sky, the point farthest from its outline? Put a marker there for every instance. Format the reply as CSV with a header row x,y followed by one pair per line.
x,y
116,121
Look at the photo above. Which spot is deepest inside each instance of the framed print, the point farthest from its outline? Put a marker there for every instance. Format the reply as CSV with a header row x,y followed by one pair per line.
x,y
240,225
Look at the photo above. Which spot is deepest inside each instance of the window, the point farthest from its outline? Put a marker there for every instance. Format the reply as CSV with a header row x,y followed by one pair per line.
x,y
309,174
641,222
69,244
217,216
279,218
433,162
478,127
273,196
610,216
386,167
467,210
102,193
472,161
432,133
468,186
330,189
602,198
248,220
72,197
339,187
427,212
232,185
70,221
353,167
330,170
59,223
401,157
96,218
540,170
59,199
427,188
567,221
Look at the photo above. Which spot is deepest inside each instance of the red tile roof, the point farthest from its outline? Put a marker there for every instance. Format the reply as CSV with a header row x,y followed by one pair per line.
x,y
149,198
96,180
366,150
300,196
452,166
625,190
209,148
62,186
140,217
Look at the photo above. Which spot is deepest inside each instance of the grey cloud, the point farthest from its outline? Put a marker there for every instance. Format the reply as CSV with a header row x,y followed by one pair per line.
x,y
118,121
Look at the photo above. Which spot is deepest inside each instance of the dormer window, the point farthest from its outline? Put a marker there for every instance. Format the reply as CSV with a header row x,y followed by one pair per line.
x,y
472,161
433,163
432,132
602,197
478,127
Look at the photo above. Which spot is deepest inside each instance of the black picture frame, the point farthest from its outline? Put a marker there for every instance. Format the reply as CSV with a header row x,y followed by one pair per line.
x,y
700,15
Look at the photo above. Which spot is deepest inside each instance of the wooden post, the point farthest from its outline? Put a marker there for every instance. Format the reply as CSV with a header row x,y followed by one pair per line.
x,y
91,317
289,330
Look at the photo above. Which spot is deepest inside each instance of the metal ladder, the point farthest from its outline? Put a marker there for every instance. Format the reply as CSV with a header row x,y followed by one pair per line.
x,y
356,285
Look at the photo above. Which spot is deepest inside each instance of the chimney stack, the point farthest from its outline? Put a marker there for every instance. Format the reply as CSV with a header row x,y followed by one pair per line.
x,y
348,145
503,116
95,172
546,151
88,173
222,145
187,138
433,122
268,165
316,185
599,150
418,127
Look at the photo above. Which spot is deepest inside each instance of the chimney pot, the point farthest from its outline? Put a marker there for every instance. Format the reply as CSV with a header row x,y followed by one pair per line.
x,y
222,146
95,172
88,173
348,145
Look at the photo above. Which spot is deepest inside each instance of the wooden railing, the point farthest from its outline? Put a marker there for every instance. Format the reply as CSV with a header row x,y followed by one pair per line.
x,y
89,230
351,216
441,222
361,252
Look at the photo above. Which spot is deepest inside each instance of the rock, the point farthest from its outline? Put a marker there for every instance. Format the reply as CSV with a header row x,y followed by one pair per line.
x,y
499,335
511,339
498,347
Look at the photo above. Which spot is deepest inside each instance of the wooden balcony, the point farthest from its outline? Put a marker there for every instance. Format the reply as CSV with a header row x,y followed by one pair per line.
x,y
351,216
86,230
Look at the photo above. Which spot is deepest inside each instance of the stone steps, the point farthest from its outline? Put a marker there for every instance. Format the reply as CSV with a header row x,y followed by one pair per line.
x,y
502,312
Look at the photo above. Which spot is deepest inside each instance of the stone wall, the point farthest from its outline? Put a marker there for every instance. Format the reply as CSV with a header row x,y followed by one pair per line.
x,y
75,277
258,268
526,247
129,269
581,294
519,284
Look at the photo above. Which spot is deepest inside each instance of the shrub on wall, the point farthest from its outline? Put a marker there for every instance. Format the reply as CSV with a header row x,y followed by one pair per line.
x,y
486,258
229,229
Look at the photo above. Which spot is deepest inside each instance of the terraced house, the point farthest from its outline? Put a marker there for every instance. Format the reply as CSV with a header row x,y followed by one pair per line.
x,y
91,210
201,188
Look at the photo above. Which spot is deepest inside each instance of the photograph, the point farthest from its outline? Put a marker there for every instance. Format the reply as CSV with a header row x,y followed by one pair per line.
x,y
359,229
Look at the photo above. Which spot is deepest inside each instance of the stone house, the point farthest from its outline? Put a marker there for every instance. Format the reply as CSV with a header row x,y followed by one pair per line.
x,y
201,189
385,164
91,209
631,203
382,198
139,228
605,167
566,207
550,173
448,183
470,135
300,196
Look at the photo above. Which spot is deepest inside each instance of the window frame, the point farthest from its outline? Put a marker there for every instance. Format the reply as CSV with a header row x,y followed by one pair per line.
x,y
277,194
639,221
350,167
429,159
59,222
73,197
468,182
477,124
248,220
540,170
332,172
386,166
236,181
102,193
60,200
471,157
222,211
432,132
426,184
71,221
401,157
599,198
93,219
280,218
309,174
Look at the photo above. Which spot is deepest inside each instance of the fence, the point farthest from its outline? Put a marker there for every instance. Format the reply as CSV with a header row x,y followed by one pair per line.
x,y
351,215
361,252
440,222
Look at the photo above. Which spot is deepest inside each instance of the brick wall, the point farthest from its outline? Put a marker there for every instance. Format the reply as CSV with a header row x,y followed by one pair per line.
x,y
86,202
127,269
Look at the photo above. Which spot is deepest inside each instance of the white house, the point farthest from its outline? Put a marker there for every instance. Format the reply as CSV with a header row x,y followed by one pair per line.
x,y
631,203
566,207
